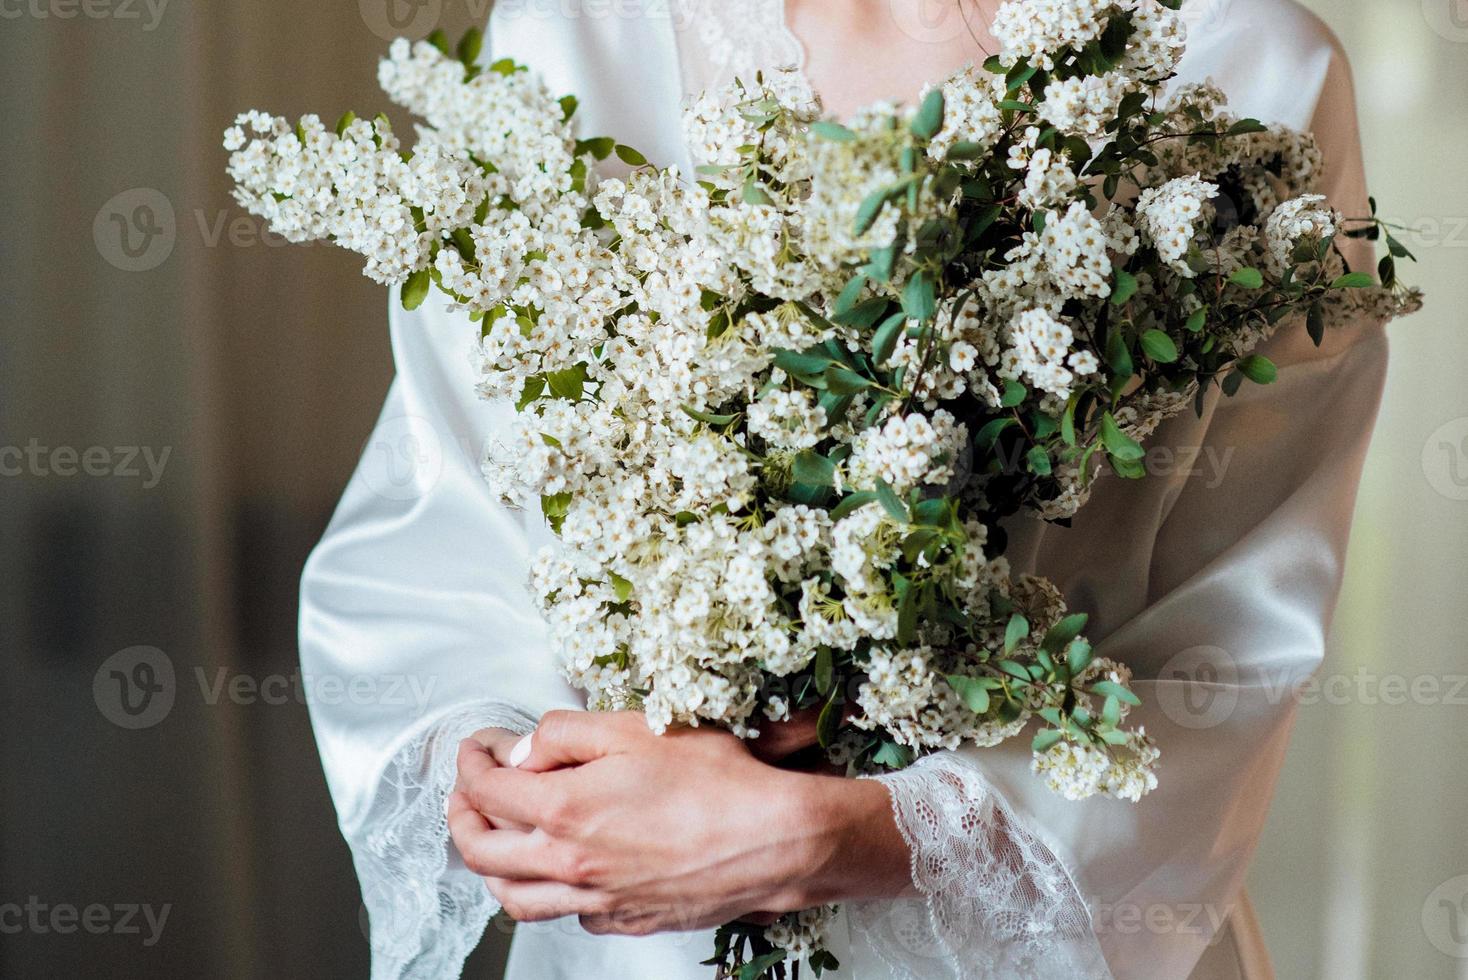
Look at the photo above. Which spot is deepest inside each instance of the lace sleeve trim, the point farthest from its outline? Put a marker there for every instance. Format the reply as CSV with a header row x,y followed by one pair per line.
x,y
997,902
425,909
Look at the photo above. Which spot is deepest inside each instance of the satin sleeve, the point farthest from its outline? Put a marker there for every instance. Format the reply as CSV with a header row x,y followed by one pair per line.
x,y
416,630
1218,592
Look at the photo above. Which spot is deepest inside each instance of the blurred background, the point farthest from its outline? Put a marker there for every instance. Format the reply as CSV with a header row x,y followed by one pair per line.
x,y
182,398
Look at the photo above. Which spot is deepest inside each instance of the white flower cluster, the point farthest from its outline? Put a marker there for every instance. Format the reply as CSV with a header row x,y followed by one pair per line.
x,y
775,410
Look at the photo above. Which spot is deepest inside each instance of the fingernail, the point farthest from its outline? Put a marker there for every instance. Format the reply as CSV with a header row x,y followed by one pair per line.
x,y
521,751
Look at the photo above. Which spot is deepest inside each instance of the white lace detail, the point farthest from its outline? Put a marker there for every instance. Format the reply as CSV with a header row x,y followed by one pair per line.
x,y
721,40
426,910
997,901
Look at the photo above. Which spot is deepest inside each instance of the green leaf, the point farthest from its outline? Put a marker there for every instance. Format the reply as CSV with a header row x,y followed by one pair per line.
x,y
1063,632
965,150
1258,369
844,381
990,432
867,211
1196,320
1159,346
629,156
1315,323
1247,277
568,104
620,586
824,672
929,117
890,502
1118,443
1246,126
599,147
470,45
1118,357
918,300
439,40
755,194
1014,393
1124,288
708,417
813,469
971,691
1078,656
1352,280
758,966
1038,460
569,383
1045,738
884,341
797,362
850,294
346,120
852,502
892,755
1114,690
907,609
826,129
415,289
553,508
534,388
1014,631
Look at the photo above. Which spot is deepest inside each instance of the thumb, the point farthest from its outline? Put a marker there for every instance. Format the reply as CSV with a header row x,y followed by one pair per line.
x,y
571,738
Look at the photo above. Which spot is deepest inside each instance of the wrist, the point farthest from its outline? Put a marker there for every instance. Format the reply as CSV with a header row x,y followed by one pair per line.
x,y
846,819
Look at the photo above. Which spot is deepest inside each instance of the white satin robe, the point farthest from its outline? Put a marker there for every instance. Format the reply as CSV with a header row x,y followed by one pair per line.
x,y
1214,578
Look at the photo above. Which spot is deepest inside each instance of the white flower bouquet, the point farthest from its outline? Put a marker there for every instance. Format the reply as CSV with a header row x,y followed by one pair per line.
x,y
777,410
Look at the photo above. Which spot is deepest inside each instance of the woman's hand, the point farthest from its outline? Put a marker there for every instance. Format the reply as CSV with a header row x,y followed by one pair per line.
x,y
639,833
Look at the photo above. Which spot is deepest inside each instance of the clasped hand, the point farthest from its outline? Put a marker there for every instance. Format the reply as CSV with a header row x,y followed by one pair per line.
x,y
638,833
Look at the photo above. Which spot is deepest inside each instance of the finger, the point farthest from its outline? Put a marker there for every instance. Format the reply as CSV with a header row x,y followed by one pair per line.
x,y
539,901
570,738
530,798
460,799
499,742
782,738
633,922
518,855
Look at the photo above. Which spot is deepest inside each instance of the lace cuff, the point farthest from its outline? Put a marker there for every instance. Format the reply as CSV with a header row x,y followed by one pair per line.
x,y
997,901
426,910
